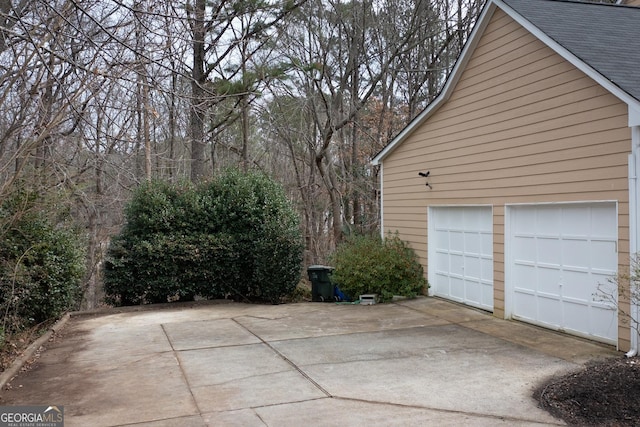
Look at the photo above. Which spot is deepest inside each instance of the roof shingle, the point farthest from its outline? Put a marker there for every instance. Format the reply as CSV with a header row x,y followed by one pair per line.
x,y
604,36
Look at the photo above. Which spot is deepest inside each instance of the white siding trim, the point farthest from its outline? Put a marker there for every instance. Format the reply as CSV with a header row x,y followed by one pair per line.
x,y
634,115
634,223
382,200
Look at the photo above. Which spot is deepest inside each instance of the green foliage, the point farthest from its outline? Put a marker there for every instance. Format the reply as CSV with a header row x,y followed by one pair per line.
x,y
236,236
41,264
372,265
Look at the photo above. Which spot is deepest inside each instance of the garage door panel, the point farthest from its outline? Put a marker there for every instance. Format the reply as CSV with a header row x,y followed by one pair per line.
x,y
523,273
549,309
548,222
472,269
473,244
441,284
549,251
487,294
519,223
442,235
473,292
441,261
601,222
575,252
453,218
456,241
456,263
523,248
575,315
487,273
558,256
487,244
547,280
525,304
576,221
603,255
574,284
602,323
478,220
457,288
464,236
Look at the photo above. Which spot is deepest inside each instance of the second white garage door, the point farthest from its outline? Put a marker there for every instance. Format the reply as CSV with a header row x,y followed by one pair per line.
x,y
461,254
558,255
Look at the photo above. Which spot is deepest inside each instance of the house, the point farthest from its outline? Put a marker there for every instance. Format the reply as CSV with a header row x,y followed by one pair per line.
x,y
532,152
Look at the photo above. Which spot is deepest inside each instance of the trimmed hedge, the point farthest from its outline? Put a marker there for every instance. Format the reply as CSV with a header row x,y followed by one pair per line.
x,y
372,265
234,237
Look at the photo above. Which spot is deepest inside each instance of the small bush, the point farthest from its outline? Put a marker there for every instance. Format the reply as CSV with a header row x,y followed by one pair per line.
x,y
236,237
41,264
372,265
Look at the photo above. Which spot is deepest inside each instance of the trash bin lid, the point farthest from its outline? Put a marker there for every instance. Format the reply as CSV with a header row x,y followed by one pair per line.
x,y
320,268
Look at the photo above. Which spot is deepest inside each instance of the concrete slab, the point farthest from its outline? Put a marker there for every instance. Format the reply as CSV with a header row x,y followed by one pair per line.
x,y
240,418
254,392
415,362
226,364
220,378
573,349
334,319
333,412
192,421
207,333
382,367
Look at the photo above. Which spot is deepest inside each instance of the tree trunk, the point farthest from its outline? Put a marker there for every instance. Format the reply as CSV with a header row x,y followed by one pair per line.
x,y
329,179
198,95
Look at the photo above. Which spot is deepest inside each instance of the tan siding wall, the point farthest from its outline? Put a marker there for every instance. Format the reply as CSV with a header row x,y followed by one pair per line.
x,y
632,2
522,126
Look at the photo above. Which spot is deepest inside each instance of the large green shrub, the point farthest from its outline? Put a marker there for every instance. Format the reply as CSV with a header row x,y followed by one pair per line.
x,y
236,236
41,263
372,265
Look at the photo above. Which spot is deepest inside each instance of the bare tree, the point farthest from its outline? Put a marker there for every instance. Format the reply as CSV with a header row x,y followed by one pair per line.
x,y
216,44
99,95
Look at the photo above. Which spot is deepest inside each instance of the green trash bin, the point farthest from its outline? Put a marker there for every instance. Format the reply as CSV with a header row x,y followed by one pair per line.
x,y
322,289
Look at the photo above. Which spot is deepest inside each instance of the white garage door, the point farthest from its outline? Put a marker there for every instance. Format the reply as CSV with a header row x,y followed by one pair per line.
x,y
558,256
461,254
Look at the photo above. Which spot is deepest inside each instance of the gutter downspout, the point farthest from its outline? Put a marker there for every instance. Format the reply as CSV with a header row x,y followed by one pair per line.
x,y
381,173
634,228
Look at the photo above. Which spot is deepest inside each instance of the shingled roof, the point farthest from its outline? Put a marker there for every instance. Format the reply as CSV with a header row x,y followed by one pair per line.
x,y
604,36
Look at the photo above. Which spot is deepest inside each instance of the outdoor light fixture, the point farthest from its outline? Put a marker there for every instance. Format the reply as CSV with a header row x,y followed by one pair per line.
x,y
424,175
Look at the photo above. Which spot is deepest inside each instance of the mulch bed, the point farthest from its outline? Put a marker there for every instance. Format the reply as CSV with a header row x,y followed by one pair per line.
x,y
603,393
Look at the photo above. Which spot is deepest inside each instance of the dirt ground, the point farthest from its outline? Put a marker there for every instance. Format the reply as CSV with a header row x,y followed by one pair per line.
x,y
15,345
604,393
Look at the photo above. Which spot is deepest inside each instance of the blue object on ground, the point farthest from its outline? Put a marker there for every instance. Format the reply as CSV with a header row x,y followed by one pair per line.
x,y
340,296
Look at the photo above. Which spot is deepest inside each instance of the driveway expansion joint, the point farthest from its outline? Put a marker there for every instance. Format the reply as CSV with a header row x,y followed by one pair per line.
x,y
286,359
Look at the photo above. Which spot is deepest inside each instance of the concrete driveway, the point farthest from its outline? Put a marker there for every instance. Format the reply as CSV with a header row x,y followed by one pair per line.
x,y
416,362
